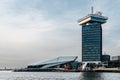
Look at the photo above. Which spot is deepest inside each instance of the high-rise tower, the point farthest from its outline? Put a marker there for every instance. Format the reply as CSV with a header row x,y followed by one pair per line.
x,y
92,36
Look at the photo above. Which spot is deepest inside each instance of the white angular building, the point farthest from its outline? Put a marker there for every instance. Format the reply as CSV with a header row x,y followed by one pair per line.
x,y
58,62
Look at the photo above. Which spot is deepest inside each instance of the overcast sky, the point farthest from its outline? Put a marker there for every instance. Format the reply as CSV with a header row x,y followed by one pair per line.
x,y
38,30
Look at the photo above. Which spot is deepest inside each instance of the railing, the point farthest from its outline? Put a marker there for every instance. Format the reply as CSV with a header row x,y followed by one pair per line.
x,y
92,15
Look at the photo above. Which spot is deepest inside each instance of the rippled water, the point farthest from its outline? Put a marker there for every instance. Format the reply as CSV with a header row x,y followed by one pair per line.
x,y
7,75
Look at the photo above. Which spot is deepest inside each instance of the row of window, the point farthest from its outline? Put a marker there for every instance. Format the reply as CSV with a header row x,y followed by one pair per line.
x,y
91,50
89,28
91,60
91,33
91,41
91,57
91,45
90,53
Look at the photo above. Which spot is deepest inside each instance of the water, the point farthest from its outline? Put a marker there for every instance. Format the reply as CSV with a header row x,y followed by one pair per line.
x,y
7,75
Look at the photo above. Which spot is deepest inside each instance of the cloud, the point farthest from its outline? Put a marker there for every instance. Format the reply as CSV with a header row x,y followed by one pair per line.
x,y
27,35
38,30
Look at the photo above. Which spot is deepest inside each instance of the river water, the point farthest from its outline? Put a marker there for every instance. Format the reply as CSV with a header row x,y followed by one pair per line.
x,y
7,75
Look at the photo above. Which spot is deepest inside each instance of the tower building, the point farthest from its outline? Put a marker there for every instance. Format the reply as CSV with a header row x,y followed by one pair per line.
x,y
92,36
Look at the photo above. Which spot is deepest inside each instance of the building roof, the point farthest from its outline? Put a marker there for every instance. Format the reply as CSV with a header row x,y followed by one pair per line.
x,y
92,17
58,60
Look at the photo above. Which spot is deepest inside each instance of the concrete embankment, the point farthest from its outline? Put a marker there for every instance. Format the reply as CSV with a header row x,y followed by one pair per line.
x,y
106,70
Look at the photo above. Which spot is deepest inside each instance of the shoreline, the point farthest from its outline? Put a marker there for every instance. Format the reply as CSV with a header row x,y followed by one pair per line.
x,y
55,70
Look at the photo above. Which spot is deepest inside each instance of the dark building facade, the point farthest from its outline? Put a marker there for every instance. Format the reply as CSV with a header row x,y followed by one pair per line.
x,y
92,37
105,58
92,42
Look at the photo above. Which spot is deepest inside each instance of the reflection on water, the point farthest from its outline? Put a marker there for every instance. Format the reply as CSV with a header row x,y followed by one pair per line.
x,y
91,76
99,76
58,76
39,76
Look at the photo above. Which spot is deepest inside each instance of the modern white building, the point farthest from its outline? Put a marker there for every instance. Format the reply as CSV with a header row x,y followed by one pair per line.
x,y
58,62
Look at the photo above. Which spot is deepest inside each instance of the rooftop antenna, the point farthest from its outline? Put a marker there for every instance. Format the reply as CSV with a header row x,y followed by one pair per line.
x,y
92,9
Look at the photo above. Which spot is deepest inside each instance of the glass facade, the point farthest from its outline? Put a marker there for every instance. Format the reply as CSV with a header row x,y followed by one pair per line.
x,y
92,36
91,41
105,58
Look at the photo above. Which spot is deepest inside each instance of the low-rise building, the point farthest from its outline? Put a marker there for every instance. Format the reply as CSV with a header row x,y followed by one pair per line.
x,y
115,58
105,58
115,62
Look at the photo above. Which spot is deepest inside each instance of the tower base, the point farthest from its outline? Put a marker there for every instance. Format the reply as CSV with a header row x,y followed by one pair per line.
x,y
90,65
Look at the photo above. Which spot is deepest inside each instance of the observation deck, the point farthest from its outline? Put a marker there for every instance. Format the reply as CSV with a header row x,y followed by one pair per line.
x,y
93,18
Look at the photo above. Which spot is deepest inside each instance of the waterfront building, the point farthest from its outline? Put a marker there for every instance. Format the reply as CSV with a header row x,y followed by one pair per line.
x,y
114,62
64,62
92,37
105,58
115,58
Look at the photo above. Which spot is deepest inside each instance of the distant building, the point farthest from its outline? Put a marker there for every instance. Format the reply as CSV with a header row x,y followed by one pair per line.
x,y
65,62
115,58
115,62
92,37
105,58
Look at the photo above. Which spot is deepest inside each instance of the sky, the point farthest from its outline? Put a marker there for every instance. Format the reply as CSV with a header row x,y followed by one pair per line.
x,y
38,30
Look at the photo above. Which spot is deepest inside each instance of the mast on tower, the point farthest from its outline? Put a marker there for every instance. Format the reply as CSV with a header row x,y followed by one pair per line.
x,y
92,10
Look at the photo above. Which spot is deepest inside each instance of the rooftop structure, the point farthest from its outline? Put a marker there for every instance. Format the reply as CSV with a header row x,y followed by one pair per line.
x,y
97,17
